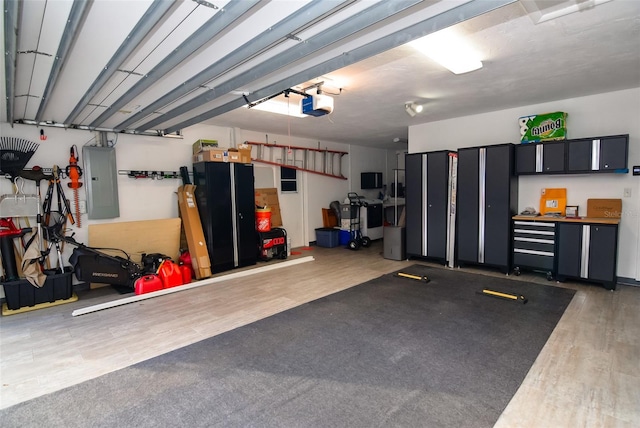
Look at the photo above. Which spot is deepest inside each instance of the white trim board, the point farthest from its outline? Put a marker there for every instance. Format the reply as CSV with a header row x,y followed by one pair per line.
x,y
189,286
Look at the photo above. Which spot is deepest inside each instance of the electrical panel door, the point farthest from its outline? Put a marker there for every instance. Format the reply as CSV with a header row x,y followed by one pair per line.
x,y
101,181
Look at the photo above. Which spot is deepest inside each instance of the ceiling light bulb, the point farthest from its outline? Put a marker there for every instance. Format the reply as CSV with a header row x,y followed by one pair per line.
x,y
409,110
418,108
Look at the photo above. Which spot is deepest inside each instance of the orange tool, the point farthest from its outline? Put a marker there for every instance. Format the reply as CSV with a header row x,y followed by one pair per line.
x,y
74,172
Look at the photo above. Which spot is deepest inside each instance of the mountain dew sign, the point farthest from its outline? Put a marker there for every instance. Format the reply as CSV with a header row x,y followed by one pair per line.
x,y
543,127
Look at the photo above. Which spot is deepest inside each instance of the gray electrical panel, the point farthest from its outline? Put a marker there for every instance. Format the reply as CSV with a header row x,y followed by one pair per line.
x,y
101,178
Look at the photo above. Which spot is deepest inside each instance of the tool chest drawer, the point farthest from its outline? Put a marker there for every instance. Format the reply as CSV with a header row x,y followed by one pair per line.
x,y
534,246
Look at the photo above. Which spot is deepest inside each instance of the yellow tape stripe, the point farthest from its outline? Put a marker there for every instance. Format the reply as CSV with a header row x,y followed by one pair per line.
x,y
406,275
497,293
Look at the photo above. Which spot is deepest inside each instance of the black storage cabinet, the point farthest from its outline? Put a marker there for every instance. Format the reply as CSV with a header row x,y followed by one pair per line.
x,y
540,158
588,252
601,154
427,190
487,197
226,203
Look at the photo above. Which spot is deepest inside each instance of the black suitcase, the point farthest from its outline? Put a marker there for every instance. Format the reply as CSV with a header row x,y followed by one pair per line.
x,y
272,244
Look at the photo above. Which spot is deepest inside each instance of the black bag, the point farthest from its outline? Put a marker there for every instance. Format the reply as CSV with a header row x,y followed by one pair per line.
x,y
90,265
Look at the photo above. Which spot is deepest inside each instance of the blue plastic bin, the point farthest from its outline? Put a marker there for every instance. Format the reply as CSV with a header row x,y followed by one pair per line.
x,y
327,237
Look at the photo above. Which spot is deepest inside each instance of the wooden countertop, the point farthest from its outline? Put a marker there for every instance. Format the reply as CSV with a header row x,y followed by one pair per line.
x,y
599,220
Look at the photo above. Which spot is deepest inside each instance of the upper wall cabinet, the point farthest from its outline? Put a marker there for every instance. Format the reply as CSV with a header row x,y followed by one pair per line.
x,y
584,155
603,154
540,158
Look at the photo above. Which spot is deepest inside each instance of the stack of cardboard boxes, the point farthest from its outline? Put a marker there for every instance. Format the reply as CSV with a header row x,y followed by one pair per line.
x,y
208,151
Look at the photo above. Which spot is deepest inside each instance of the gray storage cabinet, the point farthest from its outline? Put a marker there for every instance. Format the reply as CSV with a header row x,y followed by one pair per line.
x,y
534,246
588,252
600,154
540,158
487,198
427,203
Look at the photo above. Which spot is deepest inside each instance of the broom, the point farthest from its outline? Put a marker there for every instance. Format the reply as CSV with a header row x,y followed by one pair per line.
x,y
14,154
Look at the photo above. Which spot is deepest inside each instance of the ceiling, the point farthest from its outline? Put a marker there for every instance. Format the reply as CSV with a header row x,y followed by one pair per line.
x,y
158,66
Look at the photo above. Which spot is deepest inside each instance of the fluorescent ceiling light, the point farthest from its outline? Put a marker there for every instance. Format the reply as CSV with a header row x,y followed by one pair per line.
x,y
541,11
449,50
280,107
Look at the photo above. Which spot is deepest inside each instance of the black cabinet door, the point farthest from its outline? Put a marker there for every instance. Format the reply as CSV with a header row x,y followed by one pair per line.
x,y
467,205
213,194
579,155
613,153
497,230
525,158
602,252
414,203
569,245
245,214
553,157
437,190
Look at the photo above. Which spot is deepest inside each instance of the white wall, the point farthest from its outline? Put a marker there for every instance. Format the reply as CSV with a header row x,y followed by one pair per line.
x,y
596,115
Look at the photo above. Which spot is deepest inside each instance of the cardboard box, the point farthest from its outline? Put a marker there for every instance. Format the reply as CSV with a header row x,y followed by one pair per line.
x,y
202,145
543,127
268,197
212,155
193,229
240,155
604,208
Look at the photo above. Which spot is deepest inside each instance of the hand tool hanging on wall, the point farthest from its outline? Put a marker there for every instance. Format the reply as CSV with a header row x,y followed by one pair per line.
x,y
14,154
55,221
36,174
74,172
64,207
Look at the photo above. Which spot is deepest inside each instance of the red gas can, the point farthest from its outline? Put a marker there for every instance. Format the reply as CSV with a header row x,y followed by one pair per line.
x,y
186,273
147,284
170,273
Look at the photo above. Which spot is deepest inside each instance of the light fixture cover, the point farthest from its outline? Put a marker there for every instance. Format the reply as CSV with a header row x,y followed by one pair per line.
x,y
280,107
449,50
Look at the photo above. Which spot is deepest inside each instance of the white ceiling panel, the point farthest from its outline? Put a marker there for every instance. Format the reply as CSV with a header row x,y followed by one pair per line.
x,y
108,23
594,50
133,107
175,29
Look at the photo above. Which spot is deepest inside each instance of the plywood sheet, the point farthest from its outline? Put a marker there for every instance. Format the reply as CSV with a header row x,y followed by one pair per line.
x,y
138,237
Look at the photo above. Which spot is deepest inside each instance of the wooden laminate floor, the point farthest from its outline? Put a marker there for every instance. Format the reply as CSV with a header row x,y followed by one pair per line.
x,y
587,375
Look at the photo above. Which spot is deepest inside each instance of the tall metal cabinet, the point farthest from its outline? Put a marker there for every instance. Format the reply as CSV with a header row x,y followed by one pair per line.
x,y
430,180
226,203
487,198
